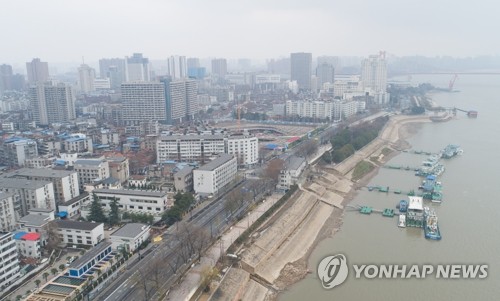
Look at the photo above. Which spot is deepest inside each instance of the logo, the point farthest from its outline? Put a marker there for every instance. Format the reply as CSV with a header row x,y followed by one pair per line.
x,y
333,270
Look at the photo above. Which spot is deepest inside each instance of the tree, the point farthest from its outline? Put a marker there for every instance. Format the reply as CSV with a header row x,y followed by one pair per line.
x,y
37,283
273,169
233,200
96,212
45,276
53,238
62,267
53,271
114,214
207,275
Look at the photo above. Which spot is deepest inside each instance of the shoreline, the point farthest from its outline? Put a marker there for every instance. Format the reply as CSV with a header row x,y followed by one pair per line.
x,y
399,131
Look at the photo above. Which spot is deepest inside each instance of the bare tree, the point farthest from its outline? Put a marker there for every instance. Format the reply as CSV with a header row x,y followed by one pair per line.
x,y
272,171
155,271
52,234
233,200
142,280
307,148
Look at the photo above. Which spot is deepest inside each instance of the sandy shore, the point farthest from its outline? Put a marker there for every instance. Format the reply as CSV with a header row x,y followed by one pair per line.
x,y
277,256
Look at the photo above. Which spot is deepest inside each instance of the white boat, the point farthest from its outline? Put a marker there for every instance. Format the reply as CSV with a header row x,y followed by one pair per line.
x,y
402,221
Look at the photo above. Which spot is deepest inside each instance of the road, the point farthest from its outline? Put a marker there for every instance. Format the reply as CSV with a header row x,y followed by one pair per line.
x,y
212,216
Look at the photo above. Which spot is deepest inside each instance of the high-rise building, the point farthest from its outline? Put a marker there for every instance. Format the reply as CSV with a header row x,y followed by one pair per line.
x,y
114,69
137,68
374,73
219,67
177,67
9,270
301,66
193,62
86,78
52,103
181,99
325,74
143,101
6,76
330,60
38,71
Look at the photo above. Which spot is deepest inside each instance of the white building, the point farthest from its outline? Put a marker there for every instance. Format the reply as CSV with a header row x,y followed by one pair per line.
x,y
33,194
37,222
294,166
80,233
177,67
101,84
10,208
201,147
137,68
129,237
65,182
9,269
78,143
143,101
52,103
91,170
135,201
73,208
211,177
15,151
374,73
312,109
29,244
86,78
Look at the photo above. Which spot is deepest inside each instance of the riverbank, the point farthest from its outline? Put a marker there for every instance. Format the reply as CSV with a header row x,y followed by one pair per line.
x,y
276,258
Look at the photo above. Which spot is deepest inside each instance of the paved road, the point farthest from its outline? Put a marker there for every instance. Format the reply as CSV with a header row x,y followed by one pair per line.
x,y
212,216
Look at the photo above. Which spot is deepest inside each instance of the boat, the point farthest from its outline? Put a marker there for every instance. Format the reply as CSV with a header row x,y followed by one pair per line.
x,y
397,191
403,205
402,221
431,226
441,117
450,151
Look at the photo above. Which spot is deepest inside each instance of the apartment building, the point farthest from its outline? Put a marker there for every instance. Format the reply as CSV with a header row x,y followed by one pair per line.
x,y
9,269
212,177
80,233
90,170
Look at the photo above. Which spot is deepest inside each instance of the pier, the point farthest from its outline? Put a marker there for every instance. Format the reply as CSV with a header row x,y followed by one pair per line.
x,y
387,189
387,212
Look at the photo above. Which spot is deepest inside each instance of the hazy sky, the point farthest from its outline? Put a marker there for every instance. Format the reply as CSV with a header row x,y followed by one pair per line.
x,y
66,30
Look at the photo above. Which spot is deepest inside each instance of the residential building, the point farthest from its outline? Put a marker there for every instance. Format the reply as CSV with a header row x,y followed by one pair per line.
x,y
192,148
52,103
38,222
10,210
374,73
114,69
129,237
87,261
9,270
313,109
137,181
86,78
80,233
325,74
119,168
38,71
219,68
90,170
181,99
102,84
143,101
177,67
294,166
15,151
33,194
29,244
137,68
40,162
6,76
183,179
211,177
135,201
301,67
78,143
65,182
73,208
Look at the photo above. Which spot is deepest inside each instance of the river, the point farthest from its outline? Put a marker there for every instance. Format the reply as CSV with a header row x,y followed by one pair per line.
x,y
469,215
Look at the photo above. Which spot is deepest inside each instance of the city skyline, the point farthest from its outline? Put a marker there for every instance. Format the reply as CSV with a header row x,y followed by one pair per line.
x,y
238,29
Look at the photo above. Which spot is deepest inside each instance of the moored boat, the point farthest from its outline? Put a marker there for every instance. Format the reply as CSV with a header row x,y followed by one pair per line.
x,y
403,206
402,221
431,226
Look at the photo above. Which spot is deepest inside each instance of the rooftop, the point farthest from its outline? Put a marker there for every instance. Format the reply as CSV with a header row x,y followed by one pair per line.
x,y
223,158
131,230
40,172
294,162
95,162
184,171
22,183
131,192
191,137
86,226
34,220
76,199
89,255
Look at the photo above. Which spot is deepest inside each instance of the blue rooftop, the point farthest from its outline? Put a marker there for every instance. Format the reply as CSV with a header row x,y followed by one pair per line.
x,y
19,235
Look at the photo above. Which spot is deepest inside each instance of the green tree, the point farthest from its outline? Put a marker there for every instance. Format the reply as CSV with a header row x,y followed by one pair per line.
x,y
45,276
37,283
62,267
96,212
114,214
53,271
